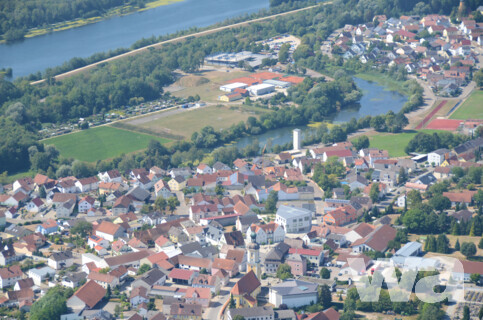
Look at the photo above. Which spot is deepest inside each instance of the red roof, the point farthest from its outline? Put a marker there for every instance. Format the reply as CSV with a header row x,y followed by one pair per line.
x,y
304,252
180,274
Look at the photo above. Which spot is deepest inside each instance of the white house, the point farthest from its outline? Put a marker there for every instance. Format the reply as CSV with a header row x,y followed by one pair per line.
x,y
438,156
204,169
294,220
266,233
41,274
110,176
35,205
87,184
94,241
59,260
293,293
86,203
109,231
9,276
401,201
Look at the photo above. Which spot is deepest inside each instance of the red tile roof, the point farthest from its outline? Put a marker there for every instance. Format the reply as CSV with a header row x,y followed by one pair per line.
x,y
180,274
90,293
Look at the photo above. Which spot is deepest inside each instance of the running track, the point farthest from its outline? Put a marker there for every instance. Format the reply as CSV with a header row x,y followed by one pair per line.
x,y
429,116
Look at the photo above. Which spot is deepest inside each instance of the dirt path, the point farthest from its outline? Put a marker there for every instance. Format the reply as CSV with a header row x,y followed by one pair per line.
x,y
159,44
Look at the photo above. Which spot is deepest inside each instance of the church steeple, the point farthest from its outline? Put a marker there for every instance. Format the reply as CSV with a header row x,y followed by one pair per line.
x,y
254,256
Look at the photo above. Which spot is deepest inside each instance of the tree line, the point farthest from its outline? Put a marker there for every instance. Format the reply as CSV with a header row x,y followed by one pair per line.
x,y
17,16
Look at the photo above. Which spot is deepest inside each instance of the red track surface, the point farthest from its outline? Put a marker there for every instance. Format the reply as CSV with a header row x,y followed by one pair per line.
x,y
429,116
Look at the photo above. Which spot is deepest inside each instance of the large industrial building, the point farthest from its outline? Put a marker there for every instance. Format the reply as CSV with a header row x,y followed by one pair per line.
x,y
233,59
261,89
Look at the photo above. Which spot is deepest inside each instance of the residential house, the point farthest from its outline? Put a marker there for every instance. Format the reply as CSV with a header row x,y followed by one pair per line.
x,y
376,241
112,176
86,297
109,231
138,296
314,257
35,205
105,280
86,203
60,260
10,275
293,293
41,274
201,296
265,233
437,157
154,277
213,283
48,227
297,263
463,197
275,257
87,184
253,313
186,311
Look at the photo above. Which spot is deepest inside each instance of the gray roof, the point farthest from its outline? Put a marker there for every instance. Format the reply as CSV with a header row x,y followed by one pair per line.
x,y
139,193
60,256
277,252
252,312
153,276
295,287
408,249
285,314
292,212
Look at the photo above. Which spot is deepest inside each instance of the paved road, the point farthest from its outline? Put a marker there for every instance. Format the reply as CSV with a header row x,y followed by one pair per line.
x,y
159,44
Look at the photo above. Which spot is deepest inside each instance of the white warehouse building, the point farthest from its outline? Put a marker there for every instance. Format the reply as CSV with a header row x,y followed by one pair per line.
x,y
232,86
261,89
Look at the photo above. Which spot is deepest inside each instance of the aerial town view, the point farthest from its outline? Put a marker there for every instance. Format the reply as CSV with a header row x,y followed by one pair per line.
x,y
241,160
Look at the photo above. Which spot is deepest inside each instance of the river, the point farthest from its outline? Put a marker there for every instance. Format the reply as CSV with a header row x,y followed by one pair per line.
x,y
376,100
42,52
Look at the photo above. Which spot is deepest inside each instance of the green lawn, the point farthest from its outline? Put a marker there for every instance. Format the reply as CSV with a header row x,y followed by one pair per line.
x,y
187,122
101,143
472,108
394,143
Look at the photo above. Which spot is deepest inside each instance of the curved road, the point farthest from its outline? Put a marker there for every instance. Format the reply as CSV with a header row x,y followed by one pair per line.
x,y
159,44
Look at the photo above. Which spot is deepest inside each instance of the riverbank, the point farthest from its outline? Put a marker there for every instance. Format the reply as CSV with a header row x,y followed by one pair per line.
x,y
117,11
389,83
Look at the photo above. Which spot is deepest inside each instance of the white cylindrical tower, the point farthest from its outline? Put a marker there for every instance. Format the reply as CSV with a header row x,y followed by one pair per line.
x,y
297,139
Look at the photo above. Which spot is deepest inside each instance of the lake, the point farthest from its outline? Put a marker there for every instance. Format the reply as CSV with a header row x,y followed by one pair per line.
x,y
376,100
42,52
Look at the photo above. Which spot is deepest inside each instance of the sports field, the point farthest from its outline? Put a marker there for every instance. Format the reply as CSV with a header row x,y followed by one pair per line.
x,y
185,123
472,108
394,143
101,143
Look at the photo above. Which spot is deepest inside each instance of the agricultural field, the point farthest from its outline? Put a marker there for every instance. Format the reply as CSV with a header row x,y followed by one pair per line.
x,y
205,83
187,122
394,143
101,143
472,108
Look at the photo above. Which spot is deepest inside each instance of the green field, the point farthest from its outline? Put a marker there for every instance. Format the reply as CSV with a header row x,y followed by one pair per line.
x,y
394,143
187,122
472,108
101,143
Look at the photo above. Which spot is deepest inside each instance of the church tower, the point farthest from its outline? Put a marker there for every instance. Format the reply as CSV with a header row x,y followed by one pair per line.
x,y
254,256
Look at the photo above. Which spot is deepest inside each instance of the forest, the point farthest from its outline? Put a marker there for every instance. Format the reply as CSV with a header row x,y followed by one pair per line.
x,y
111,86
